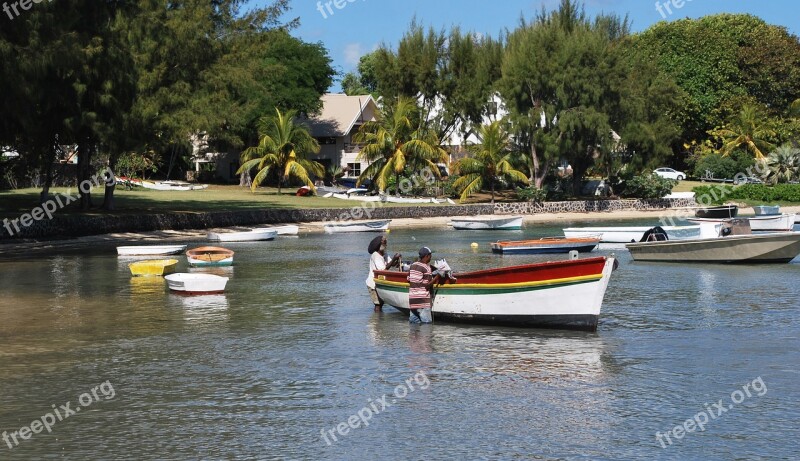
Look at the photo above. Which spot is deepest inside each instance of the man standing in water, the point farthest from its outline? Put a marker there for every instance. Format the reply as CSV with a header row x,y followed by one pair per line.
x,y
378,262
421,281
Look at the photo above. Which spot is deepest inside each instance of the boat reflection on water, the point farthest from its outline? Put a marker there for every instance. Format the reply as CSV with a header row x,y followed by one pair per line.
x,y
204,309
546,356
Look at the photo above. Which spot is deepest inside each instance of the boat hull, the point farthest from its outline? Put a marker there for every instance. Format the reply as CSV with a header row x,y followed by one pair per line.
x,y
560,295
368,226
250,236
196,284
210,257
767,210
545,246
781,222
150,250
630,234
511,223
289,229
718,212
745,249
153,268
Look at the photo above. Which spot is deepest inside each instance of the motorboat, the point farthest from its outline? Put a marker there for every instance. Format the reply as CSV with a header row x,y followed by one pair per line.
x,y
288,229
735,243
765,223
629,234
767,210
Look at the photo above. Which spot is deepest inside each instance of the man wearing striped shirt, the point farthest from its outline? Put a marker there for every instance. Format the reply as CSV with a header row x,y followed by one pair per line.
x,y
421,281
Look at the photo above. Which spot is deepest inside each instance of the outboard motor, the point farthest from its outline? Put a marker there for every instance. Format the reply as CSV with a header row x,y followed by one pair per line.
x,y
656,234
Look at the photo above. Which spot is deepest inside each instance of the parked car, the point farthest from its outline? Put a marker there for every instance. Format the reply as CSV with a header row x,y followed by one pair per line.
x,y
669,173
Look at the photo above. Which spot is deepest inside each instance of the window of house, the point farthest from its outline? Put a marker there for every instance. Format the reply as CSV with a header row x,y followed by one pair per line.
x,y
355,169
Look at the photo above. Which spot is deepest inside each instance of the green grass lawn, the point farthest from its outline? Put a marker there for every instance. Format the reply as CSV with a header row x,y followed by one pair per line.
x,y
687,186
215,198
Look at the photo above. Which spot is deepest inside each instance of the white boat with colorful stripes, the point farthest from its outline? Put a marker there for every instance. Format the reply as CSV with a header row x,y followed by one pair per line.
x,y
561,294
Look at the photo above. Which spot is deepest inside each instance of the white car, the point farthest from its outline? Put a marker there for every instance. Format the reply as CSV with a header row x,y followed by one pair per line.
x,y
669,173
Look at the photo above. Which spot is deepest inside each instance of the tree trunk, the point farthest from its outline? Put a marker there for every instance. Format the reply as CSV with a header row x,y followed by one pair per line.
x,y
492,191
84,183
171,162
110,186
244,179
48,180
397,184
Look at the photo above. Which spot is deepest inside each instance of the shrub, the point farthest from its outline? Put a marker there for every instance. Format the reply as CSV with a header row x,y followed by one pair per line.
x,y
753,192
648,186
716,166
531,194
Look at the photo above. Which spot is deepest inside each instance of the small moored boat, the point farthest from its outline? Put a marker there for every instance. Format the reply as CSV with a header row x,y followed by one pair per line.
x,y
150,250
561,294
196,284
735,244
767,210
357,226
288,229
717,212
253,235
629,234
781,222
209,256
153,267
547,245
487,223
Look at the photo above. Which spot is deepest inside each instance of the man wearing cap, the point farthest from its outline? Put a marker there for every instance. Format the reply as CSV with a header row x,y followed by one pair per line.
x,y
421,281
378,262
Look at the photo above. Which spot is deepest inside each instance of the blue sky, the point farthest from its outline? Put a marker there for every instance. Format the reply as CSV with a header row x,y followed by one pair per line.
x,y
362,25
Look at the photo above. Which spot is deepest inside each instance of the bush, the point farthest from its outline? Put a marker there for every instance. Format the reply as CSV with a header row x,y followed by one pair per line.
x,y
716,166
447,186
753,192
531,194
648,186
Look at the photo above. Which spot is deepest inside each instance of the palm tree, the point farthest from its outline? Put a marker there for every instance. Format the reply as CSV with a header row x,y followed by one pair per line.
x,y
749,130
491,161
395,140
282,148
783,164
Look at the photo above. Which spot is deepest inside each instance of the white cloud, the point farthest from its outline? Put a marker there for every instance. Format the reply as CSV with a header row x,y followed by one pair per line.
x,y
352,53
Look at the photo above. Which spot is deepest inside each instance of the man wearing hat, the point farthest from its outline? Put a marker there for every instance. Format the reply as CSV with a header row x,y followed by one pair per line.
x,y
421,281
378,262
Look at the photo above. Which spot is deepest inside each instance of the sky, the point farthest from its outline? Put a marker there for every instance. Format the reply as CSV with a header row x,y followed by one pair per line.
x,y
360,26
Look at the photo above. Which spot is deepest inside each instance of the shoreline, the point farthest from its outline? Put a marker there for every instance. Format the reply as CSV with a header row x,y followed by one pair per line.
x,y
24,248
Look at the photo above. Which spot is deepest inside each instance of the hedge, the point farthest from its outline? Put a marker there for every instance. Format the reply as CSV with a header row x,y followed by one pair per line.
x,y
756,192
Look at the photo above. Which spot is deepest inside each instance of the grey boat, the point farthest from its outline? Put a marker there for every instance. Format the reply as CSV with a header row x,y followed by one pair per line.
x,y
735,244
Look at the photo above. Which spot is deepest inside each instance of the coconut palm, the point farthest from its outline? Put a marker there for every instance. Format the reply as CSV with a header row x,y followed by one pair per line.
x,y
783,164
394,141
490,161
282,148
749,130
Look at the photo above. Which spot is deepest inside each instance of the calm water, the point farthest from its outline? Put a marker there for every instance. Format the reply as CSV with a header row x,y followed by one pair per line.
x,y
293,349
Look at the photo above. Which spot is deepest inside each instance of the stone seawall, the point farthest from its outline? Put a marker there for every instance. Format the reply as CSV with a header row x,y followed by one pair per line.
x,y
79,226
586,206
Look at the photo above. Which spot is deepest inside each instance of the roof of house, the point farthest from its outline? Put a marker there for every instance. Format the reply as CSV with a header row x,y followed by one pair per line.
x,y
339,114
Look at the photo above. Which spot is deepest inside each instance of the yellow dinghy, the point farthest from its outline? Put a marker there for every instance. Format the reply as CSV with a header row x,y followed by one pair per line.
x,y
153,267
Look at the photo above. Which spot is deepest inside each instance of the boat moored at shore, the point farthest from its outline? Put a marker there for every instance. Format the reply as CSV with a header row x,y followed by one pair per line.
x,y
766,223
150,250
356,226
487,223
253,235
546,245
629,234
